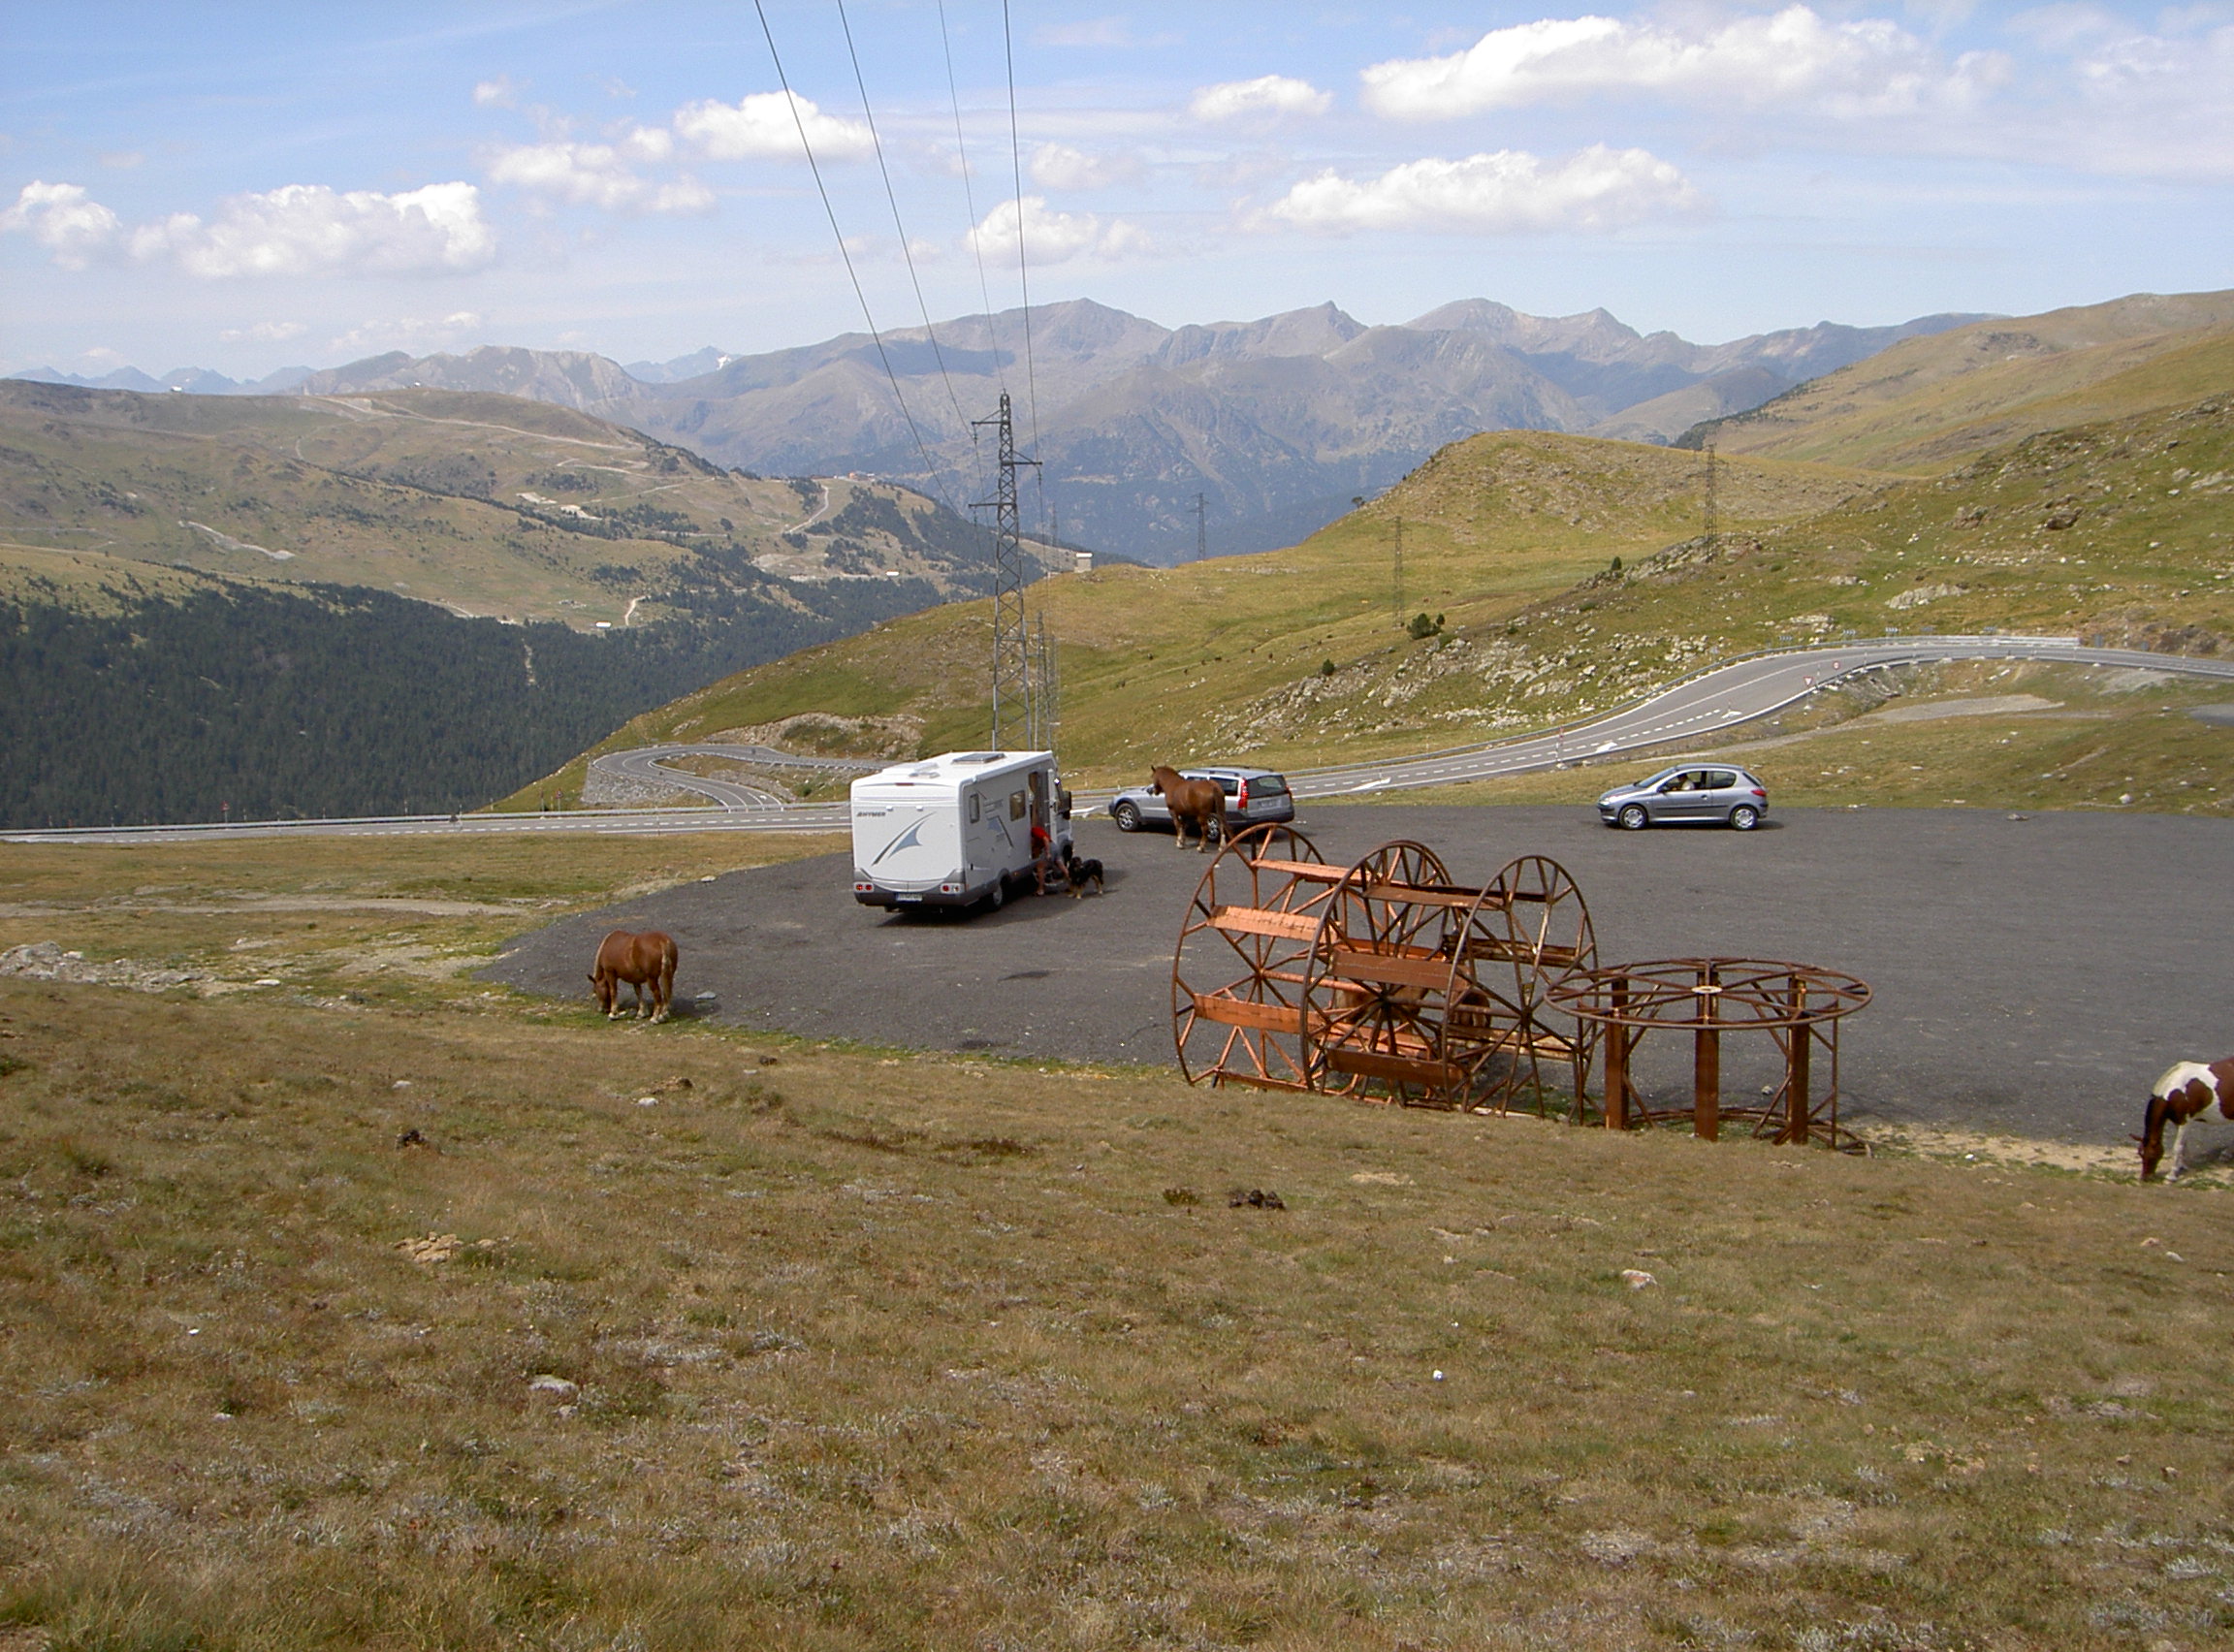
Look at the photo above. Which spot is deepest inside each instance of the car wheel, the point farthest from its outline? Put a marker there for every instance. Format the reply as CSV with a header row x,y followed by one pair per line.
x,y
1128,817
1744,818
1633,817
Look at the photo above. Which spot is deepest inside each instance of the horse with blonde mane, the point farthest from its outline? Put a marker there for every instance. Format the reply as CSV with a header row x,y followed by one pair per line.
x,y
1200,802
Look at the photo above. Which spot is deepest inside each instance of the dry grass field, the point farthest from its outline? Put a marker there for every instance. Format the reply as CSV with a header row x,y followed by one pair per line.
x,y
380,1310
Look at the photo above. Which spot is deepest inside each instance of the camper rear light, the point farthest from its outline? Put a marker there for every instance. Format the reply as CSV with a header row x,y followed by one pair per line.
x,y
864,889
949,889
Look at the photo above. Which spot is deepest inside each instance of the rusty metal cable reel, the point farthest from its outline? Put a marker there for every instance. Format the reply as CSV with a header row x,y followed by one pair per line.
x,y
1799,1005
1529,930
1382,976
1239,974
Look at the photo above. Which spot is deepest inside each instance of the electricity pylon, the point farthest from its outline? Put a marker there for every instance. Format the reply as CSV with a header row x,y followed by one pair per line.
x,y
1015,705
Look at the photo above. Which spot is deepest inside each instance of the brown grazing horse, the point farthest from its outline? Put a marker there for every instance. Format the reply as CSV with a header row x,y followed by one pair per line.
x,y
2189,1093
1201,802
638,961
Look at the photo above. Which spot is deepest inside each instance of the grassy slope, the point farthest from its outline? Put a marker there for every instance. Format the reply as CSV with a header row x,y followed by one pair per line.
x,y
417,491
1929,403
1221,658
938,1352
1953,737
2147,559
1149,656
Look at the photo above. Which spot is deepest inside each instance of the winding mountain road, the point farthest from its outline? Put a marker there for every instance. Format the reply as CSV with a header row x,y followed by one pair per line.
x,y
1695,709
648,764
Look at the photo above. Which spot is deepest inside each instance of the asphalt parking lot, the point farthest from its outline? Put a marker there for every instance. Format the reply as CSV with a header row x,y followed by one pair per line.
x,y
2031,975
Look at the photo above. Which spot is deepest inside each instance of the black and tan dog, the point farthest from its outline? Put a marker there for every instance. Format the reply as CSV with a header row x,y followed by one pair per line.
x,y
1080,872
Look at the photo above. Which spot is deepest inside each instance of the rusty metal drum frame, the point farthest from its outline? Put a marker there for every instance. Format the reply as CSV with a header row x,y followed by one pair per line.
x,y
1237,979
1797,1006
1385,981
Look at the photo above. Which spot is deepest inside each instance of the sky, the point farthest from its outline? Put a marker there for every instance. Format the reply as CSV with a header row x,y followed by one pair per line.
x,y
247,186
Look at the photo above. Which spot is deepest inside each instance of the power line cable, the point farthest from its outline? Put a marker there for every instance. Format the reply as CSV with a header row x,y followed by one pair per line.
x,y
906,251
969,195
976,244
798,121
1023,266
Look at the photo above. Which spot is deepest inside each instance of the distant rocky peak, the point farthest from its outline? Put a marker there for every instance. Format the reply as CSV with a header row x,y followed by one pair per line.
x,y
1593,335
1316,330
700,362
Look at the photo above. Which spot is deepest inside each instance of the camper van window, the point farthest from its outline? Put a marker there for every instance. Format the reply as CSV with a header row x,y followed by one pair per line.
x,y
972,808
1016,805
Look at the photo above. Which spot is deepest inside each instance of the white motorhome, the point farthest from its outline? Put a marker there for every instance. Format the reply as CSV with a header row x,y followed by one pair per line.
x,y
955,829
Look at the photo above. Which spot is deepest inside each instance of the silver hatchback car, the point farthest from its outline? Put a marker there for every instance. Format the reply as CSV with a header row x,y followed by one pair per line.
x,y
1253,796
1695,794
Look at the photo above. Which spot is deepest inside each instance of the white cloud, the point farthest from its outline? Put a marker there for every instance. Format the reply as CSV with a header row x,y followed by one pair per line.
x,y
66,221
1794,56
503,92
1053,238
307,229
1058,166
407,332
303,229
649,143
264,333
2158,105
594,174
1506,193
762,127
1267,94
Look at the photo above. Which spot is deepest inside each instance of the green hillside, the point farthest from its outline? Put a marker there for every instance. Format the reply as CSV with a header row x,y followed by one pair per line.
x,y
1155,658
485,505
2120,531
296,605
1927,403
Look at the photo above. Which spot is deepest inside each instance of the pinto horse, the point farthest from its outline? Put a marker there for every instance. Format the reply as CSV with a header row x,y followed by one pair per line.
x,y
1200,801
638,961
2189,1093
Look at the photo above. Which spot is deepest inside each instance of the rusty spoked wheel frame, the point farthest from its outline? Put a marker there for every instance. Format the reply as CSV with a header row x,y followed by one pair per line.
x,y
1380,976
1529,930
1239,971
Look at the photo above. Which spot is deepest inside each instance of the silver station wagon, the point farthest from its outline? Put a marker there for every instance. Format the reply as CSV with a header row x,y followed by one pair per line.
x,y
1711,794
1253,796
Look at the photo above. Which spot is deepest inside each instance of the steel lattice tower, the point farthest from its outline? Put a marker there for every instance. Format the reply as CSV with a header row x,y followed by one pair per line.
x,y
1015,704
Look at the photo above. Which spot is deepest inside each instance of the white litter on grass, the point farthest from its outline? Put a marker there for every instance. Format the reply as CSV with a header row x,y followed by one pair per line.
x,y
1636,1278
646,1100
1438,1376
268,981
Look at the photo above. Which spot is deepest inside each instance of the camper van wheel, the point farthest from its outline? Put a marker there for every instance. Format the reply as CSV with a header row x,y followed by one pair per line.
x,y
1000,893
1128,817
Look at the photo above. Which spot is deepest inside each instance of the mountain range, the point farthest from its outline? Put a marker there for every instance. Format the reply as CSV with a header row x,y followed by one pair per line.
x,y
1276,424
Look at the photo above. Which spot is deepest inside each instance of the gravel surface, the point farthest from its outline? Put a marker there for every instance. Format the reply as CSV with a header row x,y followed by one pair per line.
x,y
2032,975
